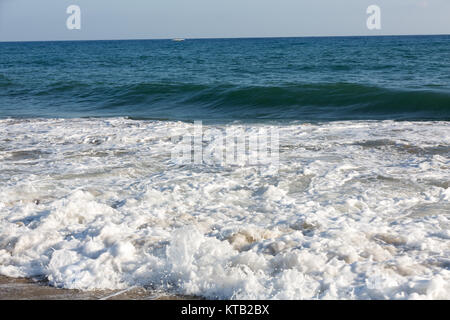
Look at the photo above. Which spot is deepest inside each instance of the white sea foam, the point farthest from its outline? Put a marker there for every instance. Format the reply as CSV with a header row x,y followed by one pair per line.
x,y
356,210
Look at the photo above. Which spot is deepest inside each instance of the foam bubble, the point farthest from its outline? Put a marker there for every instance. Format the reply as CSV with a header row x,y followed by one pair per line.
x,y
357,210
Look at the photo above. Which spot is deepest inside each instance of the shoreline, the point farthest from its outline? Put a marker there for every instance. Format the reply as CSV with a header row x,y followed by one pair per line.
x,y
29,289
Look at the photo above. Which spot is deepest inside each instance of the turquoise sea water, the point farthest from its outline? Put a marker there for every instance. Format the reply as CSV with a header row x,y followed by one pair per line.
x,y
355,205
345,78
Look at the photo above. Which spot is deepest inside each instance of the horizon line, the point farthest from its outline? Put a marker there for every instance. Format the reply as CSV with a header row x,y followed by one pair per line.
x,y
230,38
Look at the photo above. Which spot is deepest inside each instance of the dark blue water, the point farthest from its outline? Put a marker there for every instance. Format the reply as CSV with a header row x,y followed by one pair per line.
x,y
404,78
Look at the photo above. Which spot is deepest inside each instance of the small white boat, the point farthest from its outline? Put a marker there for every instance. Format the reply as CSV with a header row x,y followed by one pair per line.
x,y
178,39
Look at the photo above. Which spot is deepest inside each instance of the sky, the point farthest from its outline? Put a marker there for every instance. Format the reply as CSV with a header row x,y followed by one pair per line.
x,y
37,20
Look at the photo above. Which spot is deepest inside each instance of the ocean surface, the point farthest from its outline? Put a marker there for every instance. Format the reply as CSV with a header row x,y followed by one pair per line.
x,y
364,78
357,208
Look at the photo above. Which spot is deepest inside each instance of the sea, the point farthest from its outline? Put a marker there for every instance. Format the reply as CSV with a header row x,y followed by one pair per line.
x,y
356,205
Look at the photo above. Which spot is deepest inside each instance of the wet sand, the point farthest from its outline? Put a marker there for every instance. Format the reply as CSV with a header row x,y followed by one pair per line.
x,y
28,289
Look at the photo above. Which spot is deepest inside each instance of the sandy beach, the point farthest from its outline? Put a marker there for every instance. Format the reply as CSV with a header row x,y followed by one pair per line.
x,y
27,289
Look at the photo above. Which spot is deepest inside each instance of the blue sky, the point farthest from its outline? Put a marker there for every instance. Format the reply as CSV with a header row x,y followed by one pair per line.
x,y
24,20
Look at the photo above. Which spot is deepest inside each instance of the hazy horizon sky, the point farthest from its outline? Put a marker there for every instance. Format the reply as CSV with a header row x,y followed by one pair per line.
x,y
30,20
